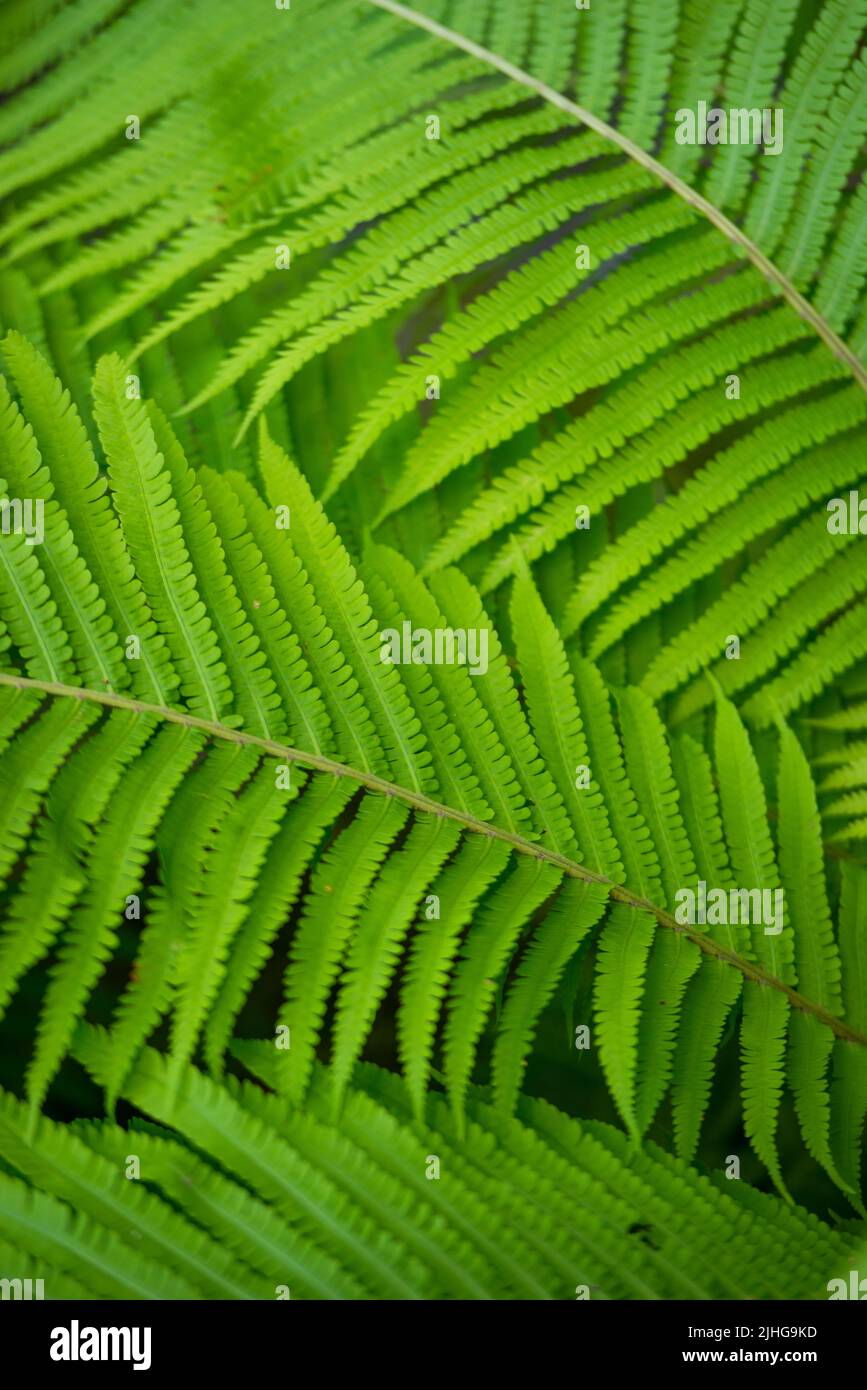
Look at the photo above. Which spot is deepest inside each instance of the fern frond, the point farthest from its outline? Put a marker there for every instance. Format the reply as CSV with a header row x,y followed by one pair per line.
x,y
510,925
493,299
348,1212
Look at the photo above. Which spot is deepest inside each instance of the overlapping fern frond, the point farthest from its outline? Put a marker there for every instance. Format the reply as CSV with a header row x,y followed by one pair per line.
x,y
236,1193
214,752
670,336
352,318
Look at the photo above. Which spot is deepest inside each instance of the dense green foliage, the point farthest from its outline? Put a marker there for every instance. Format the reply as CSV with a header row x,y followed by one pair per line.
x,y
323,323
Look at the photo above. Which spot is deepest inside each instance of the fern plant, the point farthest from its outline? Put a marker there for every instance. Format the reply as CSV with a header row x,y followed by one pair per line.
x,y
612,280
179,735
471,343
536,1207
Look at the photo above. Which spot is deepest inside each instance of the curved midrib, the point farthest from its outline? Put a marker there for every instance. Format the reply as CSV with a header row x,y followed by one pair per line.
x,y
420,802
683,190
